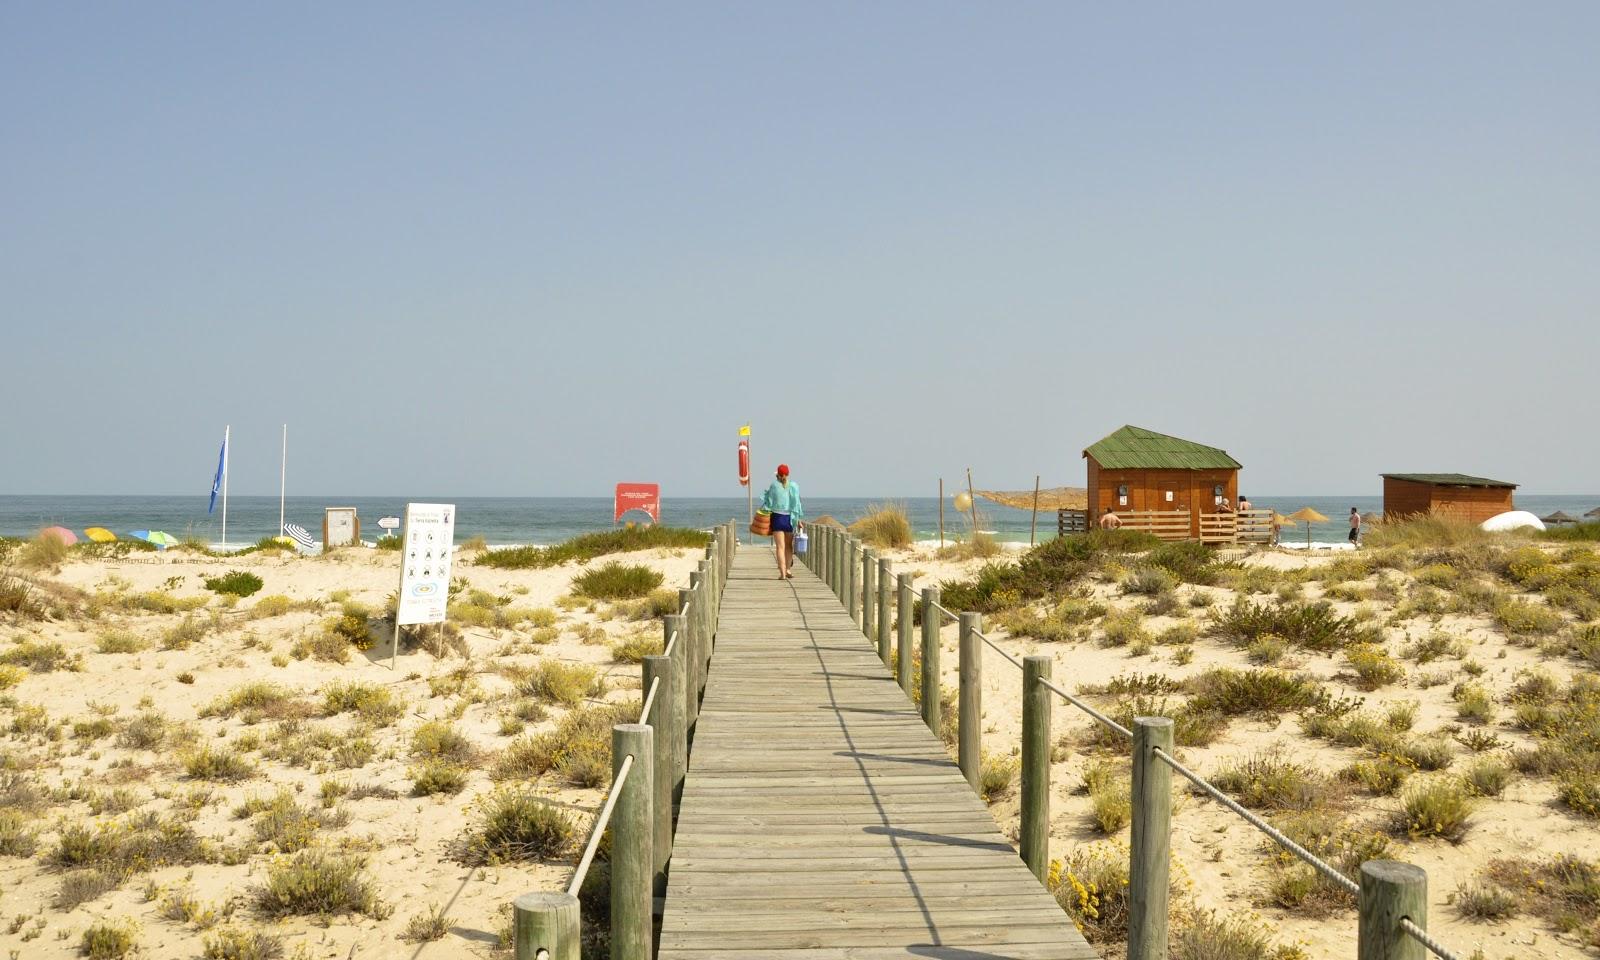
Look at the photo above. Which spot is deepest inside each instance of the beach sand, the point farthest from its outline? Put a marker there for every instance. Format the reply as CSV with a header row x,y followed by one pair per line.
x,y
408,841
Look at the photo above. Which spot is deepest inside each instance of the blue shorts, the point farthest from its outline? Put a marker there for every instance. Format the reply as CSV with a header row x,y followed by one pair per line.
x,y
781,523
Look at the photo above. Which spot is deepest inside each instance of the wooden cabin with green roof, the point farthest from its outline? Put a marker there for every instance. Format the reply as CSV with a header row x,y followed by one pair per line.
x,y
1134,470
1451,494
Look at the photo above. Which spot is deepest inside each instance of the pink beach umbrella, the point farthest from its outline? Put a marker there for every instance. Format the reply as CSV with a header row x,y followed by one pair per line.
x,y
60,533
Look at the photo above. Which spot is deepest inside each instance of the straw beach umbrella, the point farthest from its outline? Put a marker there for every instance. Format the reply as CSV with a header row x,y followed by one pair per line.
x,y
1307,516
1560,516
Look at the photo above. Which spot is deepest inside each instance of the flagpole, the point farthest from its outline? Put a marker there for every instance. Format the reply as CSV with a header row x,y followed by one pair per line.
x,y
283,474
750,488
225,431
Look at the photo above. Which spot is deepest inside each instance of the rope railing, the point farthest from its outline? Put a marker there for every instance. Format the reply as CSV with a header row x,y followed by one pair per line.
x,y
1421,936
581,872
1387,889
651,759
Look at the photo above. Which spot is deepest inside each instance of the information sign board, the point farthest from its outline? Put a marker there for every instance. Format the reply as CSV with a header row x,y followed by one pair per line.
x,y
425,562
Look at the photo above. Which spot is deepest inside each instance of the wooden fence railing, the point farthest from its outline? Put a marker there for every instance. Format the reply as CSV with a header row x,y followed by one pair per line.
x,y
649,760
1391,897
1071,521
1166,524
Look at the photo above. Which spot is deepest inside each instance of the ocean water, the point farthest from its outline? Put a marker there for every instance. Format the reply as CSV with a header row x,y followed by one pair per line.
x,y
545,520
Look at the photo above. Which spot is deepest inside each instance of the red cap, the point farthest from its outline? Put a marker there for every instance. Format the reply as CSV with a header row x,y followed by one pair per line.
x,y
783,469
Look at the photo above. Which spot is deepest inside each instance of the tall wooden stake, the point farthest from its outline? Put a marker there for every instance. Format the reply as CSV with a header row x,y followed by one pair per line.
x,y
1033,529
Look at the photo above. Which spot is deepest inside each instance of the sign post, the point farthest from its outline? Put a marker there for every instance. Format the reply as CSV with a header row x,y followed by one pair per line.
x,y
424,567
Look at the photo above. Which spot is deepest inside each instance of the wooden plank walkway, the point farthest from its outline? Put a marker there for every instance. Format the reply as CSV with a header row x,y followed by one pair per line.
x,y
820,817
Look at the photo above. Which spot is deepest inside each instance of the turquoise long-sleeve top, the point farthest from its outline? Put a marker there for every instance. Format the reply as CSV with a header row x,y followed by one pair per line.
x,y
783,498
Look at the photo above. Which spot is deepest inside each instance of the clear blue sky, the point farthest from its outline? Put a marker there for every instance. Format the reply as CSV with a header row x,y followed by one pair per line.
x,y
482,249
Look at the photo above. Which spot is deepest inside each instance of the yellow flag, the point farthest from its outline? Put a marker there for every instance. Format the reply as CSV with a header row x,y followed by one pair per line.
x,y
744,431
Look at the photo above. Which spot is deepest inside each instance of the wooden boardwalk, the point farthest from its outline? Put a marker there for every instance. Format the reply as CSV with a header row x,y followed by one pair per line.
x,y
821,819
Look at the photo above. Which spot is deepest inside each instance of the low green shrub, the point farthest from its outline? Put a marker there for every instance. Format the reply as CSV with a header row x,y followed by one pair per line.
x,y
1313,626
110,940
1233,693
318,882
884,525
1439,807
591,545
616,581
1373,667
237,583
1269,781
515,823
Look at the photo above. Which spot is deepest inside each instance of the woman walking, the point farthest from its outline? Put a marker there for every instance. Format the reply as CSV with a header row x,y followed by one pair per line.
x,y
782,500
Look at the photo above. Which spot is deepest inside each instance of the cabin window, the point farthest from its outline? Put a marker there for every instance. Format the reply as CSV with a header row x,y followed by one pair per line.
x,y
1216,495
1122,495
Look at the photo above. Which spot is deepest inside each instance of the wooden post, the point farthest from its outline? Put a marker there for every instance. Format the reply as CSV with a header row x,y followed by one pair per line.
x,y
1150,851
691,663
659,669
677,719
972,505
544,926
869,594
1033,528
697,614
969,734
708,617
1390,890
852,600
632,859
930,659
885,580
903,647
941,513
1036,764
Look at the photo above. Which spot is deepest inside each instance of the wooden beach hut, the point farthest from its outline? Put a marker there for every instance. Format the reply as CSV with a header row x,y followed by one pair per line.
x,y
1159,483
1475,499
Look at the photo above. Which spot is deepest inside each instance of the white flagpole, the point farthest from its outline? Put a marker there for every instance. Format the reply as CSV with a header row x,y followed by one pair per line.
x,y
225,431
283,474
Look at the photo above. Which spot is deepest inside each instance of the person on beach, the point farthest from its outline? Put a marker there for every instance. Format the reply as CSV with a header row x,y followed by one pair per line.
x,y
1355,527
782,500
1224,506
1244,503
1109,520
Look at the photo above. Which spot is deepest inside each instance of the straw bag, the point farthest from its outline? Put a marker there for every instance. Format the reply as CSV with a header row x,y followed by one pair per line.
x,y
761,526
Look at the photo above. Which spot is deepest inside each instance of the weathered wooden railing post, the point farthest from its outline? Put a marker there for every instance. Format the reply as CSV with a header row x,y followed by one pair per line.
x,y
836,564
1036,764
1149,854
885,581
691,663
1390,890
869,593
852,598
969,729
907,615
675,722
659,670
930,659
545,926
632,853
708,617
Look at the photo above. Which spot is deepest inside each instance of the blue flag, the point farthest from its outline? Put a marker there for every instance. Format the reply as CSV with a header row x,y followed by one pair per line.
x,y
216,483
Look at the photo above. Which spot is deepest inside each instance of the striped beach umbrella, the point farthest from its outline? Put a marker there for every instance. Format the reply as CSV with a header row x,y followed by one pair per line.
x,y
160,538
300,535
